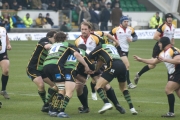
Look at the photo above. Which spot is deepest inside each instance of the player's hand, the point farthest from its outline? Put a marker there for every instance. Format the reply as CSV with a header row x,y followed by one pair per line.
x,y
161,59
9,47
129,39
137,58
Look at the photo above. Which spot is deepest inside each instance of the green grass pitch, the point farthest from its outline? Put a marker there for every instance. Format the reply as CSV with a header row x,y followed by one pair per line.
x,y
148,98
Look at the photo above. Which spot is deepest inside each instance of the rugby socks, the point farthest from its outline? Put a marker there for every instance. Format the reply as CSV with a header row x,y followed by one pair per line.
x,y
111,95
102,95
51,93
56,102
42,94
171,100
4,80
83,100
53,102
85,91
143,70
64,103
93,87
128,98
127,77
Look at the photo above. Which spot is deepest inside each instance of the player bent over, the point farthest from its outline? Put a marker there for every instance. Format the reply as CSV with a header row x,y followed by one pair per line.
x,y
115,68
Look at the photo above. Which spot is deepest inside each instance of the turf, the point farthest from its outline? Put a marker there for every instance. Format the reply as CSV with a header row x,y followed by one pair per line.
x,y
149,97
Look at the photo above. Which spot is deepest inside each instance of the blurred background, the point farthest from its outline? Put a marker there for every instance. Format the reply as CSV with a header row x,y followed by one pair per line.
x,y
19,16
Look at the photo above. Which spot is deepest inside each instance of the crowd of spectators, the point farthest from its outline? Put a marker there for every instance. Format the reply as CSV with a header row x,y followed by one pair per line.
x,y
95,11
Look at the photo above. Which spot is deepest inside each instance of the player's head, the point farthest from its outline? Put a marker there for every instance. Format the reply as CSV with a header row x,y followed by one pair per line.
x,y
163,42
82,46
50,35
124,20
60,37
169,18
86,28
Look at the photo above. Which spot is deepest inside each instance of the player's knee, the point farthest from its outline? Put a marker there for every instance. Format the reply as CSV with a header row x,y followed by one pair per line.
x,y
5,71
151,66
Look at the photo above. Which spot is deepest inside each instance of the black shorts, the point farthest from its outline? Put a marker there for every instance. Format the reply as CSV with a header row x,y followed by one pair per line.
x,y
81,72
117,69
4,56
33,73
70,74
53,72
121,53
174,77
156,50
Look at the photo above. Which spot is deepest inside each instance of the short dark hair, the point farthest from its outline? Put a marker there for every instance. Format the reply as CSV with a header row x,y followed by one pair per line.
x,y
60,37
82,46
50,34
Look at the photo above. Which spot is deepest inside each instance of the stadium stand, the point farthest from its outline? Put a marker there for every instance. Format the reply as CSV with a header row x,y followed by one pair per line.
x,y
70,16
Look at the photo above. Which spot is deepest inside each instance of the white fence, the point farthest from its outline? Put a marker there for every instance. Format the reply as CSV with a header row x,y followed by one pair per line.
x,y
142,34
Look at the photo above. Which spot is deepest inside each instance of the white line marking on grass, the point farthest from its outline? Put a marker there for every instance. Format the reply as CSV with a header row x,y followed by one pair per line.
x,y
33,95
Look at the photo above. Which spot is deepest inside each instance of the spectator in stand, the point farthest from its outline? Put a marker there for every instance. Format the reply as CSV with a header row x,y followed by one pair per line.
x,y
104,18
97,8
28,21
84,15
94,18
22,3
45,4
155,21
108,1
114,3
64,27
52,6
36,5
16,6
40,21
79,7
68,5
29,4
18,22
5,6
89,5
102,3
108,6
49,20
116,14
6,22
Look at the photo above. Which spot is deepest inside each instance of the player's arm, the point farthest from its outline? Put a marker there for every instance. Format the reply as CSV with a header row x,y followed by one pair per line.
x,y
90,64
82,61
8,43
93,54
75,51
133,34
111,38
175,60
134,37
151,61
159,31
99,64
47,46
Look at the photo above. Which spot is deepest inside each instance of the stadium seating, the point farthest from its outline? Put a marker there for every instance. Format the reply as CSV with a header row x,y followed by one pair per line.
x,y
132,5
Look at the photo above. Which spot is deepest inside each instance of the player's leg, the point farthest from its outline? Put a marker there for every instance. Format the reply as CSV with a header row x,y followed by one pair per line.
x,y
121,76
57,99
112,96
93,92
156,51
101,83
171,86
4,64
70,86
126,62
